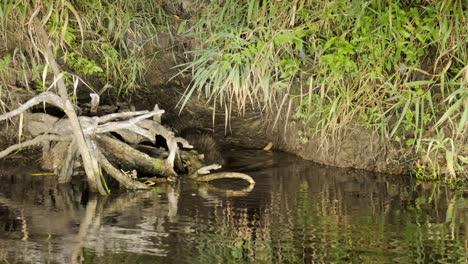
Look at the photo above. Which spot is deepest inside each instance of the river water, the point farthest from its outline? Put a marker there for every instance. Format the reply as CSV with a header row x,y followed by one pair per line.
x,y
298,212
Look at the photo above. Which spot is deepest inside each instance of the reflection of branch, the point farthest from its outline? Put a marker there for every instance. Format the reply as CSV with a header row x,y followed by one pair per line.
x,y
122,202
84,227
24,226
229,193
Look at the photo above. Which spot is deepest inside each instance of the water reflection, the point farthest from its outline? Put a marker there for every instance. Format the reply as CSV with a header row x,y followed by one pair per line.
x,y
298,212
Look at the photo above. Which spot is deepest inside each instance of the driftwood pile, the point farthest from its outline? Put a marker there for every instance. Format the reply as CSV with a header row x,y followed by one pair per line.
x,y
111,139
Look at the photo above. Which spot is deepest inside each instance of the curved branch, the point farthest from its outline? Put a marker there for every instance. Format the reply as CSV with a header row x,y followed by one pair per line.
x,y
47,97
109,117
33,142
226,175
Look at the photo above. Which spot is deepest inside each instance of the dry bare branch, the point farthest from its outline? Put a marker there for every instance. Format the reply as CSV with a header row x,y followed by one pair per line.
x,y
36,141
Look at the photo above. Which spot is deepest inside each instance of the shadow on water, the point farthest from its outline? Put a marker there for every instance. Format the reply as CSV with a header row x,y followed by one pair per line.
x,y
298,212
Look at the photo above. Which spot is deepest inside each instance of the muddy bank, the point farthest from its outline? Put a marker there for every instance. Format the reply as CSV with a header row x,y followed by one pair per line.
x,y
358,148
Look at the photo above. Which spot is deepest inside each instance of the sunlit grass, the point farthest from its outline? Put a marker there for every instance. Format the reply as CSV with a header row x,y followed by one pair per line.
x,y
398,68
100,40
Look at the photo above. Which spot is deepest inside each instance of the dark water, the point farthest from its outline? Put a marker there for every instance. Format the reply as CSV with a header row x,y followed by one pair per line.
x,y
298,212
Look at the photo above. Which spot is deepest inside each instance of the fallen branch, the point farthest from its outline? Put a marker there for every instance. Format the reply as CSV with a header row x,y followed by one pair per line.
x,y
207,169
89,160
114,126
110,117
225,175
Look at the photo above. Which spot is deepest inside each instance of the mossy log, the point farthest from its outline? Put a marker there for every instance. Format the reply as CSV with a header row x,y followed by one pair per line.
x,y
133,158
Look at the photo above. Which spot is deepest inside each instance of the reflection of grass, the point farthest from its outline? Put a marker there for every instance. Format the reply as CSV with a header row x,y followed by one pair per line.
x,y
397,68
322,225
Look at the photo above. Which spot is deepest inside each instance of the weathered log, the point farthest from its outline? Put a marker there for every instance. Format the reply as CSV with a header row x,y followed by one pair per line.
x,y
137,128
65,171
63,154
133,158
119,176
38,123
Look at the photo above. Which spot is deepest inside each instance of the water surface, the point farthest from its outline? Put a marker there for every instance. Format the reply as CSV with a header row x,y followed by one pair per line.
x,y
298,212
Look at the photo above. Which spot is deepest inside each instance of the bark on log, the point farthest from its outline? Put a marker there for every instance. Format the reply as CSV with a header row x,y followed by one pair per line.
x,y
66,170
119,176
133,158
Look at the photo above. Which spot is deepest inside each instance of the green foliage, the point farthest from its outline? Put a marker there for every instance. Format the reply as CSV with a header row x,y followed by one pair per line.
x,y
396,67
247,54
4,63
100,41
81,65
122,29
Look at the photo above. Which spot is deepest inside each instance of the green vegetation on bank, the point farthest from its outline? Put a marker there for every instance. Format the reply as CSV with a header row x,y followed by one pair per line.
x,y
100,42
398,67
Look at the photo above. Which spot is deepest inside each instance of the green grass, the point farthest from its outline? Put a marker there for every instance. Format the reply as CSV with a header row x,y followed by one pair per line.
x,y
396,67
100,41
